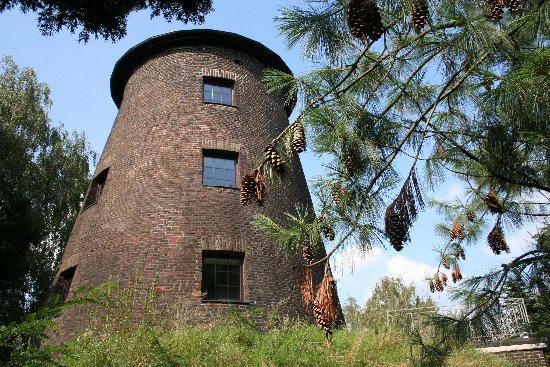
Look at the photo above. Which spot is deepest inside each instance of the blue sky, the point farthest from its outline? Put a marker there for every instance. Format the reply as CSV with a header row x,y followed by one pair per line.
x,y
78,76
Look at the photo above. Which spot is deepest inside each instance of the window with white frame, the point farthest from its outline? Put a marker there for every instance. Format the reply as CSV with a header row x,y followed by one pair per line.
x,y
218,90
219,168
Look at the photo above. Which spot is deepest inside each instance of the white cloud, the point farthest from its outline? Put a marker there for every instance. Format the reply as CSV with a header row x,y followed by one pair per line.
x,y
369,268
452,192
357,273
410,271
352,259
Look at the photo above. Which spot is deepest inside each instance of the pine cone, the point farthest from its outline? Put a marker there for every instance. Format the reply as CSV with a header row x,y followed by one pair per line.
x,y
349,160
493,203
444,279
420,14
496,240
307,253
395,229
259,187
432,286
375,29
496,9
337,194
325,229
487,83
248,189
298,138
321,320
438,284
445,263
273,157
356,19
364,20
470,215
456,232
459,252
514,6
456,275
439,148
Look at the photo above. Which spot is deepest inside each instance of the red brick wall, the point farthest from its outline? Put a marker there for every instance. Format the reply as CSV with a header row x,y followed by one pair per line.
x,y
525,358
522,352
154,214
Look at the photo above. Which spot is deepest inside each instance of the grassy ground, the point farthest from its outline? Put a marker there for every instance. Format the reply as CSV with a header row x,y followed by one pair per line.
x,y
234,344
166,338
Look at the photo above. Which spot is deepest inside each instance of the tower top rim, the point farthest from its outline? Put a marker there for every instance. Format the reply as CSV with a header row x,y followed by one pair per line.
x,y
126,65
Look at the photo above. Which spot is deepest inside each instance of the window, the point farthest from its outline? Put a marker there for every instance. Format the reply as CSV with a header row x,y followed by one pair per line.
x,y
96,188
218,90
219,169
222,276
63,284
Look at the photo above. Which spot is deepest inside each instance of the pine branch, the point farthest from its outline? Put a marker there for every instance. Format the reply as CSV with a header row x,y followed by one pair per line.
x,y
490,295
532,184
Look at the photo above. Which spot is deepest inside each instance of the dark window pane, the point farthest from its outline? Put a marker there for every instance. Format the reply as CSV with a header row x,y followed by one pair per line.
x,y
234,279
233,268
221,278
221,292
210,292
234,293
96,188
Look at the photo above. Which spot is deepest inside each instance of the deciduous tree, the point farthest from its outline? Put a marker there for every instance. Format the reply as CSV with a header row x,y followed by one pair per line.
x,y
43,174
389,294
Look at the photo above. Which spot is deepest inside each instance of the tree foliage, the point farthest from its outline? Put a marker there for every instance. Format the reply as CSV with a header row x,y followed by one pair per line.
x,y
486,296
467,95
389,294
43,173
105,19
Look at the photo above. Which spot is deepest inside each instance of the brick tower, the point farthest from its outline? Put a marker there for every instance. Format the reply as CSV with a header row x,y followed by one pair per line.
x,y
164,200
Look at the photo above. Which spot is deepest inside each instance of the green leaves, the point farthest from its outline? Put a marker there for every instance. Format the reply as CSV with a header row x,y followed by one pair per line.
x,y
43,173
105,19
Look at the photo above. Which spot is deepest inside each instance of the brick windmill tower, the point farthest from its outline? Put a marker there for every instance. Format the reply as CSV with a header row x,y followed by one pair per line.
x,y
164,200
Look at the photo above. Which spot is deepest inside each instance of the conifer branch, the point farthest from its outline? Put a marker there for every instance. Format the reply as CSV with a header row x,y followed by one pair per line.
x,y
494,292
532,184
406,83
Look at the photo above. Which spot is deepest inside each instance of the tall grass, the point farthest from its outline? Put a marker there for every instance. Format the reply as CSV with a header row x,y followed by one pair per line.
x,y
166,337
230,342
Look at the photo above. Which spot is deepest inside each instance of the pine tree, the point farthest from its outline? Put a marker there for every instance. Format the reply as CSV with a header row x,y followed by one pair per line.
x,y
102,18
421,100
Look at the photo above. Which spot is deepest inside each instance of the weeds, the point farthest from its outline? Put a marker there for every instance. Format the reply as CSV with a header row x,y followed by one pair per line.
x,y
118,337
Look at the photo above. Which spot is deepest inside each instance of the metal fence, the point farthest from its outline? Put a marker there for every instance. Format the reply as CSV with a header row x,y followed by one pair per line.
x,y
507,319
